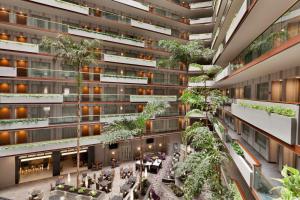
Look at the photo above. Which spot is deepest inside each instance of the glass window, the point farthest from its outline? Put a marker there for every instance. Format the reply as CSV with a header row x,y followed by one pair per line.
x,y
260,140
247,92
262,91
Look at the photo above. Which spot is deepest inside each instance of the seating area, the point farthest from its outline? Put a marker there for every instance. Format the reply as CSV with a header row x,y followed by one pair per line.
x,y
152,162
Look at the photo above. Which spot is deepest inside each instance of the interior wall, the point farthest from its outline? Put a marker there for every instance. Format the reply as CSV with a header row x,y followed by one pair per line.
x,y
7,172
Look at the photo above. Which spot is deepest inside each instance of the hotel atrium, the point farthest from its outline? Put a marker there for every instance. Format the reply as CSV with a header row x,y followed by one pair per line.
x,y
149,99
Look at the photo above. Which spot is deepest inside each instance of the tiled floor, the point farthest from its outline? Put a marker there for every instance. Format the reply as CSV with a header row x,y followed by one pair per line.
x,y
22,191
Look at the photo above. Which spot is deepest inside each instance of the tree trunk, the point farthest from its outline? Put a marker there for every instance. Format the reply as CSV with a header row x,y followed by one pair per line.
x,y
141,160
78,124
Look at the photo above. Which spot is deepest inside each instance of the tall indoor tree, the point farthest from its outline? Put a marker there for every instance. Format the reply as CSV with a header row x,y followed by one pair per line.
x,y
125,129
75,54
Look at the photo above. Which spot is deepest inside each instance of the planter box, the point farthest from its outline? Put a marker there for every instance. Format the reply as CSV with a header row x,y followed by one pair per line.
x,y
282,127
100,36
123,79
147,98
19,46
64,5
8,71
224,73
203,20
201,84
24,124
129,60
242,165
116,117
202,36
196,69
236,20
204,4
31,98
135,4
150,27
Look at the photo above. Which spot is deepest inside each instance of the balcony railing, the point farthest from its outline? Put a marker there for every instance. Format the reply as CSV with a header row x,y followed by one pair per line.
x,y
19,46
150,27
31,98
105,37
279,33
64,5
12,124
123,79
208,83
264,115
236,20
149,98
135,4
8,71
204,4
110,118
129,60
201,36
223,74
203,20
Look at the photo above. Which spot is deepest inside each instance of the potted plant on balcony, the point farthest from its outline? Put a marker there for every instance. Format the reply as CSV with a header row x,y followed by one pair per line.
x,y
75,54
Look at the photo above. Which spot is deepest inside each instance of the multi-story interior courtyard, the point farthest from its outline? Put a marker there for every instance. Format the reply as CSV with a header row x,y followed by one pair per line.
x,y
149,99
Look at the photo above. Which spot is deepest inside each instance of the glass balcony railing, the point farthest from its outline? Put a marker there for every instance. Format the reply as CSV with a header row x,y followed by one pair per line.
x,y
283,30
263,187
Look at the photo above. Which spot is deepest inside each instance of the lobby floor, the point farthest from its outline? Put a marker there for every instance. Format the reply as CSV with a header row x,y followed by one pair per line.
x,y
23,190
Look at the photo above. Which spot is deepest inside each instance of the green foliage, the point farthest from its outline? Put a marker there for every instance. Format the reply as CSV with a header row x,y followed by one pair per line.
x,y
235,192
187,53
24,121
177,190
75,54
126,129
290,189
270,109
237,148
81,190
202,168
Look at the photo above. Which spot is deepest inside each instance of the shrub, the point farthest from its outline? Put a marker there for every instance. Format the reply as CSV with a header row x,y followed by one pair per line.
x,y
237,148
177,190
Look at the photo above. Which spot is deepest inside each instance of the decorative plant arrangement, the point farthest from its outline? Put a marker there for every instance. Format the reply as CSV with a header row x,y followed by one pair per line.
x,y
237,148
270,109
108,34
290,189
29,95
121,76
24,121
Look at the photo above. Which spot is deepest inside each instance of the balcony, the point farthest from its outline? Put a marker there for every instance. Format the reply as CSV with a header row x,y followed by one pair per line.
x,y
201,84
110,118
204,4
202,36
64,5
129,60
123,79
11,124
19,46
135,4
218,53
150,27
203,20
8,71
31,98
105,37
193,69
149,98
223,74
280,126
242,163
236,20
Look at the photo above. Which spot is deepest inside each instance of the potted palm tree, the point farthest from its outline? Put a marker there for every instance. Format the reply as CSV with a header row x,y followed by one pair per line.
x,y
76,54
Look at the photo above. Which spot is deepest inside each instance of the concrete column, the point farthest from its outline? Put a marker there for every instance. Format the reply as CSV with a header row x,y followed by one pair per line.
x,y
56,162
91,156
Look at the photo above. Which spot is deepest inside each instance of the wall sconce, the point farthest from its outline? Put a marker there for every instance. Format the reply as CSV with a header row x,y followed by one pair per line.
x,y
122,72
113,153
160,144
121,107
139,148
150,146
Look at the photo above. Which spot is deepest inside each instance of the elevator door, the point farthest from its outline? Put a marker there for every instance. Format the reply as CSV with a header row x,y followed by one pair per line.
x,y
126,152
